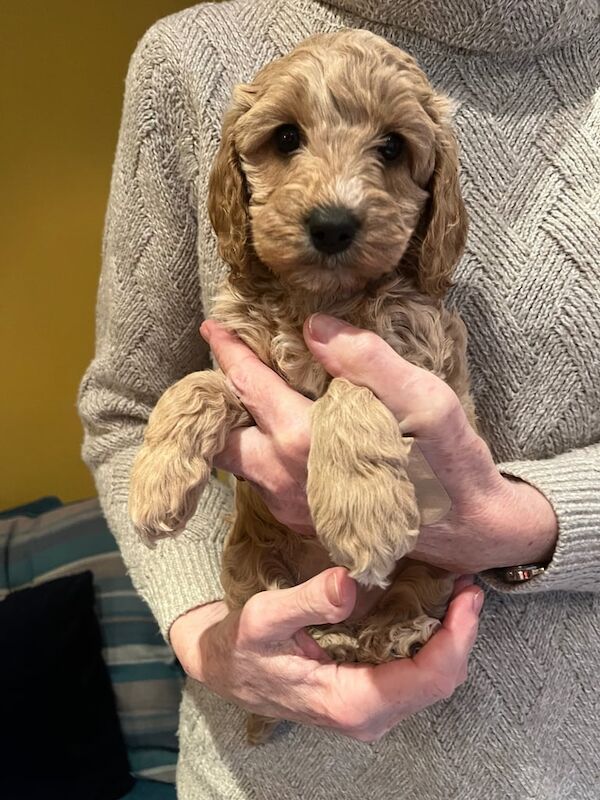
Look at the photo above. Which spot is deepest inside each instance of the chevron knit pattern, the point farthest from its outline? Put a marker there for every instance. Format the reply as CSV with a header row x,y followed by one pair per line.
x,y
523,77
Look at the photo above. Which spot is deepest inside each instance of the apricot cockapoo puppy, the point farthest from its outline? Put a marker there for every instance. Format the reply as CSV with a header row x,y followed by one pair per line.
x,y
335,189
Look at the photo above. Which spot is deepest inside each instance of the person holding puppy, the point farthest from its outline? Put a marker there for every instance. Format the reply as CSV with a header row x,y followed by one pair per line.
x,y
526,290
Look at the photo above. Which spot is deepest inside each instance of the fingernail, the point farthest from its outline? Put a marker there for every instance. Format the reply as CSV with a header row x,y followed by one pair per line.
x,y
333,589
478,601
205,331
461,583
323,327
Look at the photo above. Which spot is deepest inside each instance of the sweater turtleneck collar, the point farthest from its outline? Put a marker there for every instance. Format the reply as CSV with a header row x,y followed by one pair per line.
x,y
493,26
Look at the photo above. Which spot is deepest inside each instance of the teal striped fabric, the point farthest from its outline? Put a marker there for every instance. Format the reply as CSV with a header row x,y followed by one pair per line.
x,y
146,677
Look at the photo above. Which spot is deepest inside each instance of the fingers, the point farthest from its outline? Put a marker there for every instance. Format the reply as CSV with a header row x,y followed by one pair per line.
x,y
458,459
243,453
277,616
267,397
228,349
398,689
447,652
461,583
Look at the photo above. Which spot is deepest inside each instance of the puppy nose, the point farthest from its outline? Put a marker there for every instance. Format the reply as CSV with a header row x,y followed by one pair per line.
x,y
332,229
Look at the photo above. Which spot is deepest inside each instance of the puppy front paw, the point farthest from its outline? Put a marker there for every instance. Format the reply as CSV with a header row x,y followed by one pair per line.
x,y
362,502
164,492
367,523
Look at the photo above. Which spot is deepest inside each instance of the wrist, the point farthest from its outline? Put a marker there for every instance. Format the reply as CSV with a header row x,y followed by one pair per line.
x,y
532,529
185,634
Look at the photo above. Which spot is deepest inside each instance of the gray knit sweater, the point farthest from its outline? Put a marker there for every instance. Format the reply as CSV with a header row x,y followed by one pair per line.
x,y
523,76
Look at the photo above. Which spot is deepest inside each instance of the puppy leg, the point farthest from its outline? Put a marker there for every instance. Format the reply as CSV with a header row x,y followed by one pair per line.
x,y
361,500
187,428
259,552
258,555
407,615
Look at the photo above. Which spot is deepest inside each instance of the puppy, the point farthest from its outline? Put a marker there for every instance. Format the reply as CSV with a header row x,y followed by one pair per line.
x,y
335,189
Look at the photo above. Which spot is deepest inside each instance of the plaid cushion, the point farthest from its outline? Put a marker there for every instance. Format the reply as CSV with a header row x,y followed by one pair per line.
x,y
146,676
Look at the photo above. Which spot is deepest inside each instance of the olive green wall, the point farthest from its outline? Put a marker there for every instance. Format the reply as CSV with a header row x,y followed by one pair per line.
x,y
62,71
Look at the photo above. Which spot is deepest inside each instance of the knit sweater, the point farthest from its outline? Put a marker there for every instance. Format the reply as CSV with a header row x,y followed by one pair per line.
x,y
523,79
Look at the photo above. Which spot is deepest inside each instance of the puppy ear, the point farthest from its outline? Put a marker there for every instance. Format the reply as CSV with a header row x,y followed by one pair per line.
x,y
445,224
227,191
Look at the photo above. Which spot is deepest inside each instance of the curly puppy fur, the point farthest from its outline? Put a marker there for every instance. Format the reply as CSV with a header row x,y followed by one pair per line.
x,y
344,94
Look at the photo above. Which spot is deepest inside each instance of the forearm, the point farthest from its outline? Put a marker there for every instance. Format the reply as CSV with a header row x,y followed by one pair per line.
x,y
180,573
529,528
187,631
148,312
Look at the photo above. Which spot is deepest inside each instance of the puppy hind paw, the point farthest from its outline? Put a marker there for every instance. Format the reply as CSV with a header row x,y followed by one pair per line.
x,y
399,640
368,524
340,644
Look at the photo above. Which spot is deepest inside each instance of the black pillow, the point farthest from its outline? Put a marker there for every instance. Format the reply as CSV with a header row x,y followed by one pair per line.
x,y
59,731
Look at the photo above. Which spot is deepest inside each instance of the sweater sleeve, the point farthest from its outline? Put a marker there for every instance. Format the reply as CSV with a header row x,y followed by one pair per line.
x,y
148,313
571,483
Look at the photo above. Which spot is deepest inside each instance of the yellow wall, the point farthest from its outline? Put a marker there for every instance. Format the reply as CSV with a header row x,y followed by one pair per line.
x,y
62,70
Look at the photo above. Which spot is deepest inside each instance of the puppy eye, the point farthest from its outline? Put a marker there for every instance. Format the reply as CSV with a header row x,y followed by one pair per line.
x,y
287,138
391,147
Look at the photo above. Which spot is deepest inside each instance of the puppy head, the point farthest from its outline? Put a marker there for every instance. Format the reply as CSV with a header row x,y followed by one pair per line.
x,y
337,166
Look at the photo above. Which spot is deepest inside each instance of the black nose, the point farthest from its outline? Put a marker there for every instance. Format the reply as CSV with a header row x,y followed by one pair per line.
x,y
332,229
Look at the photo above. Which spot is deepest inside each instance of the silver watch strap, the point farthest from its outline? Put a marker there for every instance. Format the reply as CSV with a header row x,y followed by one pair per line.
x,y
523,572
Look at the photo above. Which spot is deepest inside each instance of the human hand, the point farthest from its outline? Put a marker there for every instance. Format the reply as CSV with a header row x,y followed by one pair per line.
x,y
261,658
492,521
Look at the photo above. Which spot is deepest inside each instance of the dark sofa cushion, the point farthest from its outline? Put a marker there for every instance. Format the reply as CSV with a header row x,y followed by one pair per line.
x,y
145,675
60,735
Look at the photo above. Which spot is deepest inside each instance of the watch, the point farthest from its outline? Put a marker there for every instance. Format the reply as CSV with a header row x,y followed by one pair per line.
x,y
522,572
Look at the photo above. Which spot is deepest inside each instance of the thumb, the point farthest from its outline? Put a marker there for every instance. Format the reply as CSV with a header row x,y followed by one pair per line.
x,y
277,615
424,405
361,357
